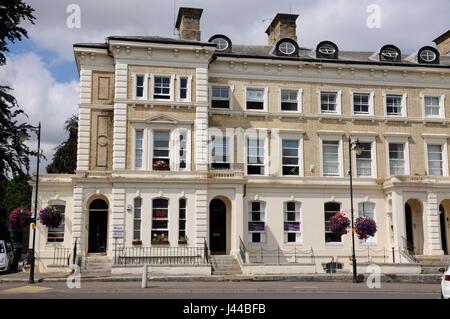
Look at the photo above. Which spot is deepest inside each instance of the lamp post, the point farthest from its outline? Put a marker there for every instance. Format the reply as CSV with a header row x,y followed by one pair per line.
x,y
356,147
23,138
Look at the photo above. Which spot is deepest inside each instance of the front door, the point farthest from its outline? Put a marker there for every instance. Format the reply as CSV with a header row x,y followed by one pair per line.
x,y
217,227
409,228
98,226
443,229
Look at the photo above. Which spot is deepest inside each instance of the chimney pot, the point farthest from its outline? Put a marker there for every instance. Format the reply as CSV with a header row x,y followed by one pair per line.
x,y
284,25
443,43
188,23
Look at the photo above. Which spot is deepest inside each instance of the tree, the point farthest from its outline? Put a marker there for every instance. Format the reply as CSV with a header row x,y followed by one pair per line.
x,y
14,155
65,157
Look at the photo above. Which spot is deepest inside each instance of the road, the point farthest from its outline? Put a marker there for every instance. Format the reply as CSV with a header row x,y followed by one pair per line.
x,y
221,290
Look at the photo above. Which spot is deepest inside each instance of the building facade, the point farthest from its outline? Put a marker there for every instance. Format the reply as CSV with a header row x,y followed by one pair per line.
x,y
185,143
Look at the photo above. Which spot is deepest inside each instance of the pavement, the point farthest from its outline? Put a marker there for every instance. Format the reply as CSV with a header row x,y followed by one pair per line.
x,y
229,290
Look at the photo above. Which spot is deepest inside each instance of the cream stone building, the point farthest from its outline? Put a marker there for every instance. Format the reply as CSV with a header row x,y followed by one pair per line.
x,y
189,147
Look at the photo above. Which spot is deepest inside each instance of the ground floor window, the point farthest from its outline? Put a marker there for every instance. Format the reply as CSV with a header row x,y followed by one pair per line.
x,y
137,218
256,222
182,220
160,221
56,235
330,209
291,222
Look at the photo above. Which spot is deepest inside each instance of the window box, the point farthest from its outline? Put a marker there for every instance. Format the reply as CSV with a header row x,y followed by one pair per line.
x,y
137,242
161,166
182,240
160,242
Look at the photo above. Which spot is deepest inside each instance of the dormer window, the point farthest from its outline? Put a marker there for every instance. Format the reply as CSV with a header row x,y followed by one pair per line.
x,y
327,50
286,47
222,42
390,53
428,55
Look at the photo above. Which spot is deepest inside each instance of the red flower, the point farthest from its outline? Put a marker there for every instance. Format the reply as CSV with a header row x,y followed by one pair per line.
x,y
339,223
20,218
50,217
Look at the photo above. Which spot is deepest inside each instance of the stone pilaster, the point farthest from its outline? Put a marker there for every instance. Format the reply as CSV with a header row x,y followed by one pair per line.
x,y
78,218
201,120
120,117
201,215
398,221
432,245
118,210
84,122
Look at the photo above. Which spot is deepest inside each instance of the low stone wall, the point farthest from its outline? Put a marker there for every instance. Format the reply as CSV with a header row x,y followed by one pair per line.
x,y
391,269
287,269
193,270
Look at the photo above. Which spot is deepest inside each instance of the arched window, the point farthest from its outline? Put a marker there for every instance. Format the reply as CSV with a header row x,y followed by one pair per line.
x,y
223,43
182,220
286,47
330,209
292,221
160,221
256,222
137,215
428,55
56,235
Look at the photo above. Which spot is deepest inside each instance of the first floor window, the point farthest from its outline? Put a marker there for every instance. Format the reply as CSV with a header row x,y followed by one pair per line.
x,y
56,235
137,218
394,104
255,99
182,149
432,106
220,157
161,150
220,97
183,88
290,160
435,167
161,87
255,156
396,159
364,160
256,222
331,209
160,220
182,219
361,103
330,158
367,210
139,89
291,222
289,100
138,148
328,102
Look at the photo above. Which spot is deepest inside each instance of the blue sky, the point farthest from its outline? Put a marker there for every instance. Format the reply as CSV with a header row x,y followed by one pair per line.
x,y
43,73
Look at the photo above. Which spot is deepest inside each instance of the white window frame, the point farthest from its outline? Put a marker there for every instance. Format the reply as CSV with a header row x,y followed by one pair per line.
x,y
188,88
168,229
299,99
145,91
230,96
299,234
371,102
370,240
332,138
265,97
263,210
57,202
331,243
229,135
283,135
437,141
262,133
404,112
175,144
171,88
143,128
389,139
185,216
366,139
139,219
441,98
338,101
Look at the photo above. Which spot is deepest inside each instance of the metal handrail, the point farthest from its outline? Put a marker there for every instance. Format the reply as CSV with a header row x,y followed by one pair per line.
x,y
408,250
242,250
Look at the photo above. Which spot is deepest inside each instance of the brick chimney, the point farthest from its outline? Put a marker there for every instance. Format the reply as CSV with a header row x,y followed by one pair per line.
x,y
188,23
443,43
282,26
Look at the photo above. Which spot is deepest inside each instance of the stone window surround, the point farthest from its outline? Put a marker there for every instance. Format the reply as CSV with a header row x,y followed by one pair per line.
x,y
230,94
366,137
397,139
173,146
403,103
262,133
229,134
57,202
338,101
371,241
299,241
291,135
299,99
265,98
437,140
332,137
371,102
441,105
174,87
263,210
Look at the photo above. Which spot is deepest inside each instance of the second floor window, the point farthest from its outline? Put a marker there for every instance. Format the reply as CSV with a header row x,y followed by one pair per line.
x,y
161,150
328,102
139,149
290,158
256,222
255,99
220,97
435,162
394,104
289,100
220,157
182,156
330,158
161,88
139,86
396,159
255,156
432,106
364,160
361,103
183,88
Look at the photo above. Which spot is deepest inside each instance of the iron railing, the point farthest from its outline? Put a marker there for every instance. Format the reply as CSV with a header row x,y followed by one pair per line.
x,y
161,255
281,256
61,257
408,250
242,251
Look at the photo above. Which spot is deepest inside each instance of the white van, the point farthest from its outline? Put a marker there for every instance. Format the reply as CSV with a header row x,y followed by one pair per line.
x,y
5,256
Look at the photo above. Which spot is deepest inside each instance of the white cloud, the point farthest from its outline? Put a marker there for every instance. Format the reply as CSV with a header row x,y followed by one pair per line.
x,y
42,98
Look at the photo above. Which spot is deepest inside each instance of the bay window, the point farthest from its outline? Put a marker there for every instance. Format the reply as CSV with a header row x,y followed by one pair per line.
x,y
161,150
139,88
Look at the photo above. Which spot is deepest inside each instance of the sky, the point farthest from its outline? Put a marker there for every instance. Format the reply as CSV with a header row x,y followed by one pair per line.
x,y
42,69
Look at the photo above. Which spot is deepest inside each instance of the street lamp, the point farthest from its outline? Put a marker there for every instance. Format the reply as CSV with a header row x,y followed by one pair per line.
x,y
357,148
23,138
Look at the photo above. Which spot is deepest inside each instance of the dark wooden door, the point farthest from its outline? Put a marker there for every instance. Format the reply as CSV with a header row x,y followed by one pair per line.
x,y
409,227
218,227
98,224
443,229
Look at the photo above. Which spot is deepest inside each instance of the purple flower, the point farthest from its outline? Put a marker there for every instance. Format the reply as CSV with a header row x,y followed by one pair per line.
x,y
50,217
339,223
365,227
20,218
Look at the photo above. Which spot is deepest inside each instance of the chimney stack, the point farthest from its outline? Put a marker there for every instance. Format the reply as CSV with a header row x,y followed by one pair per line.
x,y
443,43
188,23
282,26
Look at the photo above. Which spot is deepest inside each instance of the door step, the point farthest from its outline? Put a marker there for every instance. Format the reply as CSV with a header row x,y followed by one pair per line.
x,y
225,265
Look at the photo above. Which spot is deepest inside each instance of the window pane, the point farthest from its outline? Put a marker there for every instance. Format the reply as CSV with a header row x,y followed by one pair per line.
x,y
328,102
330,153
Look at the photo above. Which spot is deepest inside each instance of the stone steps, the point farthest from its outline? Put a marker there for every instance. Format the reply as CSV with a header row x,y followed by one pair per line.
x,y
96,264
432,264
225,265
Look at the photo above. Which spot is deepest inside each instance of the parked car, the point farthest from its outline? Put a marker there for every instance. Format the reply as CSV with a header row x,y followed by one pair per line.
x,y
445,283
6,256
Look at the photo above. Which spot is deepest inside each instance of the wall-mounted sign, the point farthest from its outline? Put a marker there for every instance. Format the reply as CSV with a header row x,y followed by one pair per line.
x,y
118,231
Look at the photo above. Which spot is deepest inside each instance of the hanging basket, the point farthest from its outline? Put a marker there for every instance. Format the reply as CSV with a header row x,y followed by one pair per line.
x,y
19,218
365,227
50,217
339,224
